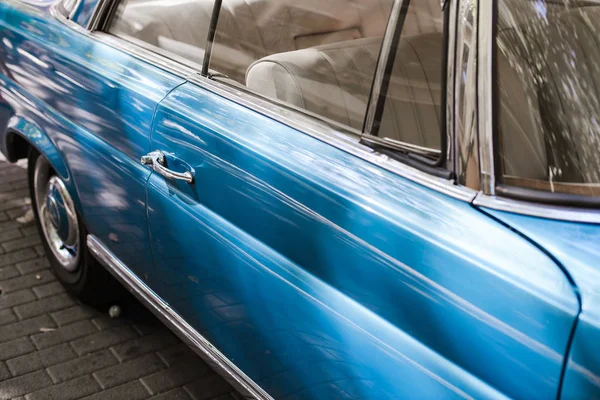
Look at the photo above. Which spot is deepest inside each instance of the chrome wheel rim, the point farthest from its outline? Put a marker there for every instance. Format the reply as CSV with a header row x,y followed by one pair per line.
x,y
57,215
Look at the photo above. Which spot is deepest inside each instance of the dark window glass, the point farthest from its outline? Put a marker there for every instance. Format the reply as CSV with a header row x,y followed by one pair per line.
x,y
548,67
178,27
412,110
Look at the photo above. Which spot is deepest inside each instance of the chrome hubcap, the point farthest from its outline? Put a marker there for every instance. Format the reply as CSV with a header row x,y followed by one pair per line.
x,y
57,216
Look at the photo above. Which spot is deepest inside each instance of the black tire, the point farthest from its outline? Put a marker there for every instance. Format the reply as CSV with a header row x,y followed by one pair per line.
x,y
90,281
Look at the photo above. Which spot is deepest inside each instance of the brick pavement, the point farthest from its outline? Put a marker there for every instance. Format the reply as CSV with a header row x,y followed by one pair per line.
x,y
53,347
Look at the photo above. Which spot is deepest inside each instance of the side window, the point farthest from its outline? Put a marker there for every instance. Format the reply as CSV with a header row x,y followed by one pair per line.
x,y
176,27
548,97
409,113
319,56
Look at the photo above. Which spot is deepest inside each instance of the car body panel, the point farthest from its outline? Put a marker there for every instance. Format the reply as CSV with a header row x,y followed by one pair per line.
x,y
306,266
576,246
106,101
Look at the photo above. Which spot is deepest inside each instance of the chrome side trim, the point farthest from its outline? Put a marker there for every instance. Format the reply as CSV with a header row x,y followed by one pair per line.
x,y
485,93
187,333
537,210
330,135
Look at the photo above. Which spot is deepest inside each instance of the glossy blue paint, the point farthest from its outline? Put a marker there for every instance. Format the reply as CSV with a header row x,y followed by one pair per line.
x,y
93,106
323,276
577,247
318,274
83,13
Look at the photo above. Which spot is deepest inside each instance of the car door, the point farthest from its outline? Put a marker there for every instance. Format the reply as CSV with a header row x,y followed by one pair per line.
x,y
321,268
104,100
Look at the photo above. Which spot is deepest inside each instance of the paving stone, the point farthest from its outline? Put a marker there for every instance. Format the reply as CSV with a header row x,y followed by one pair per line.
x,y
9,225
39,249
81,366
140,346
33,265
179,374
103,339
130,391
8,272
175,394
30,230
7,316
6,236
16,201
41,359
15,348
208,387
24,384
17,256
148,327
43,306
27,281
175,354
49,289
69,390
103,322
129,370
72,314
26,327
63,334
14,299
4,372
21,243
18,211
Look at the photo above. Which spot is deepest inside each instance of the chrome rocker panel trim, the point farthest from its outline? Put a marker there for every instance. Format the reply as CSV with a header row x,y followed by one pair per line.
x,y
213,357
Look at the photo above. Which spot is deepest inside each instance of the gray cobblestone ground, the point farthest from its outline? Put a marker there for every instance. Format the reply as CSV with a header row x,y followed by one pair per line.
x,y
52,347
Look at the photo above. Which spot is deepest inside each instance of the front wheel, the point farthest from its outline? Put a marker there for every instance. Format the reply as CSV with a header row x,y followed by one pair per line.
x,y
64,236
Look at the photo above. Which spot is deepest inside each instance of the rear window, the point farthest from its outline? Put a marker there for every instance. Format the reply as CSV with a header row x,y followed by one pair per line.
x,y
548,100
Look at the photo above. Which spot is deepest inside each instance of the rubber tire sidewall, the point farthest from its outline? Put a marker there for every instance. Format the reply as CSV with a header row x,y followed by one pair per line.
x,y
90,282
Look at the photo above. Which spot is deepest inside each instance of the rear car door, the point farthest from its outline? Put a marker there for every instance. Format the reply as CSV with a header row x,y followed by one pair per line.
x,y
104,101
318,268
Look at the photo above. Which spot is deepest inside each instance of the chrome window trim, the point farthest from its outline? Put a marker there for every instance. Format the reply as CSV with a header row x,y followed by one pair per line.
x,y
328,134
563,213
209,353
485,92
465,113
450,85
75,8
100,12
382,62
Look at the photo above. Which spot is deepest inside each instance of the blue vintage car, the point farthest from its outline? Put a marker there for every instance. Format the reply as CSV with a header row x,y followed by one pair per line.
x,y
341,199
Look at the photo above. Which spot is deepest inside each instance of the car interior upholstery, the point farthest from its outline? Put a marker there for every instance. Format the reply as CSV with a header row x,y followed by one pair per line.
x,y
316,55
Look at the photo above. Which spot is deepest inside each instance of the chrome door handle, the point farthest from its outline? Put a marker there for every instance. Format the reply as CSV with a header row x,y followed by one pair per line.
x,y
156,159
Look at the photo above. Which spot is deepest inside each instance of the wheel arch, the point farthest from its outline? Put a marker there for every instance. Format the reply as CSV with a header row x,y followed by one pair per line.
x,y
21,135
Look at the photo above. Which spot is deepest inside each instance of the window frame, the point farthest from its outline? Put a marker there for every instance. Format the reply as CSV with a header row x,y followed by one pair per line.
x,y
494,194
414,155
337,135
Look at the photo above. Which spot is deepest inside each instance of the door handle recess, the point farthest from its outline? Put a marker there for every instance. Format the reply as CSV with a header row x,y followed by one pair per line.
x,y
156,159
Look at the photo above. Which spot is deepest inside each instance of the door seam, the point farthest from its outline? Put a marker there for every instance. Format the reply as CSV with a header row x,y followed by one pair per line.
x,y
571,280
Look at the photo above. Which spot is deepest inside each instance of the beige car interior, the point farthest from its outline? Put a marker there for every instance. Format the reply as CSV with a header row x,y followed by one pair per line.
x,y
316,55
548,101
